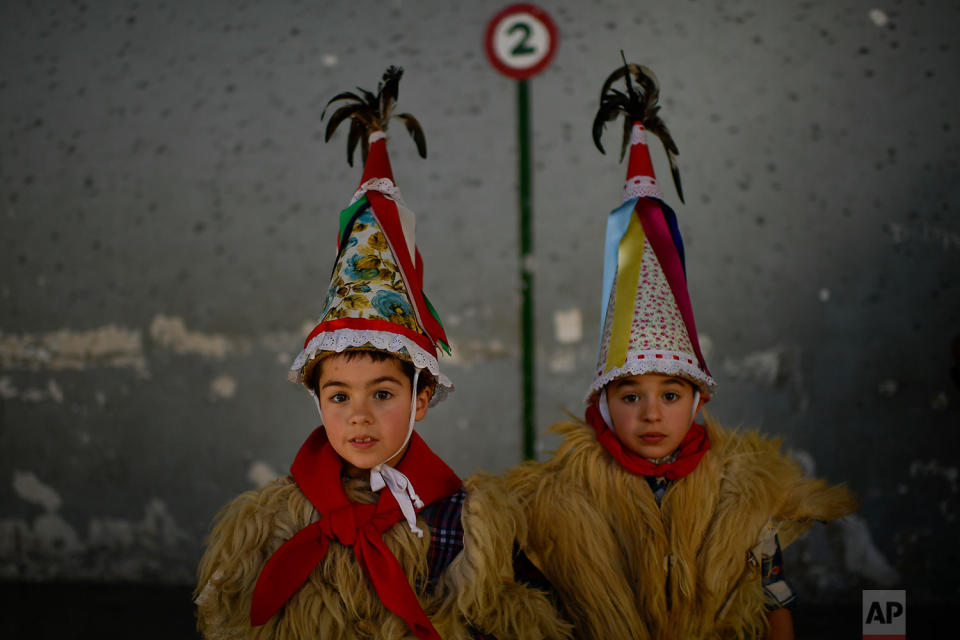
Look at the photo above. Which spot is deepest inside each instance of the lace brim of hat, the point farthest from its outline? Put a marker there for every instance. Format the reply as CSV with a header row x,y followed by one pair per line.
x,y
671,363
340,340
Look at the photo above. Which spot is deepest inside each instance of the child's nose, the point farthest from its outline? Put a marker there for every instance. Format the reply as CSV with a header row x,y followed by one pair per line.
x,y
650,410
360,412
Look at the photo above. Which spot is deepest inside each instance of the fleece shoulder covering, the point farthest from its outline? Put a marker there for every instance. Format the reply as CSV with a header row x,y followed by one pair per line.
x,y
755,468
476,590
677,570
479,584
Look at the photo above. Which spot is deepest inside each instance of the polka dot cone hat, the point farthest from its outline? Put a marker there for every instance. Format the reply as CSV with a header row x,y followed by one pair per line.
x,y
648,324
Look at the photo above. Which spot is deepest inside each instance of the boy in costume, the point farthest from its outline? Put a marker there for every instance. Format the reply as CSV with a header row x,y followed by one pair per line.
x,y
372,535
648,524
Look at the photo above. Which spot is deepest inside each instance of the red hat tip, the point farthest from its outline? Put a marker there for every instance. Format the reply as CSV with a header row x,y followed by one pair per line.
x,y
641,181
378,163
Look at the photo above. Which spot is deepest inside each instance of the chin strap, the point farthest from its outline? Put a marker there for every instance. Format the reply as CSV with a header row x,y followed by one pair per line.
x,y
383,475
603,406
316,398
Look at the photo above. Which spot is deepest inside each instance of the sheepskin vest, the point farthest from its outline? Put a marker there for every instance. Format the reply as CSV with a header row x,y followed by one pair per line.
x,y
476,590
625,568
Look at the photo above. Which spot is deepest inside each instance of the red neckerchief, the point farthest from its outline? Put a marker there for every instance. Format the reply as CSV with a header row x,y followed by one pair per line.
x,y
691,450
316,470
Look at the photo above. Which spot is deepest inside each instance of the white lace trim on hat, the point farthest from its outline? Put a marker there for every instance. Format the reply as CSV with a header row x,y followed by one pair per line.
x,y
640,187
383,185
343,339
650,363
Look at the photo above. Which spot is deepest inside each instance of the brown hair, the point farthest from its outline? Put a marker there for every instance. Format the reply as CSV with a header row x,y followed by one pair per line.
x,y
425,380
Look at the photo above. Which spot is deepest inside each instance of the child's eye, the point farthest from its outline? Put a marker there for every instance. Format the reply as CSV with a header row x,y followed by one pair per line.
x,y
382,394
671,396
338,397
630,398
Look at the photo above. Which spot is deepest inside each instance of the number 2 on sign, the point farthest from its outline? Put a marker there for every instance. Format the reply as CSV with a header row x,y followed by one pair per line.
x,y
522,48
520,41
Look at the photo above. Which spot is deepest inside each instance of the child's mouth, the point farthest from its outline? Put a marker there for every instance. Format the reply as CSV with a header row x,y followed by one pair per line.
x,y
652,437
363,442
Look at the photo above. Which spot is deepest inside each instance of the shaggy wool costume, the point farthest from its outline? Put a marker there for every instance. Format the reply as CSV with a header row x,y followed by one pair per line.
x,y
626,569
476,590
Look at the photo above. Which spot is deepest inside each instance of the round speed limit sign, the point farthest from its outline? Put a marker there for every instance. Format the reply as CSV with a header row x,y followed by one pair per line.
x,y
521,40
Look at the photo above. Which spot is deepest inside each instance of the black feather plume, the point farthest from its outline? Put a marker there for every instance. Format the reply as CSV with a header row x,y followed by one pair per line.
x,y
638,104
369,112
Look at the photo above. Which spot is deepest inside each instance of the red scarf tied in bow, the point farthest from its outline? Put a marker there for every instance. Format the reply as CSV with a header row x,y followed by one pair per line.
x,y
316,471
692,448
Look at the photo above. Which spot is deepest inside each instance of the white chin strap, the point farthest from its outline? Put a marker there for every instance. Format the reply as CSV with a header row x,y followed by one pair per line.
x,y
383,475
400,486
605,408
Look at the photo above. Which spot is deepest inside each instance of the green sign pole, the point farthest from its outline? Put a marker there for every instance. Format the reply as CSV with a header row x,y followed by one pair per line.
x,y
526,269
520,41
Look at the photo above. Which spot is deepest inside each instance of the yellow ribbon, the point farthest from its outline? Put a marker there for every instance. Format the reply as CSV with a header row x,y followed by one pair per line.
x,y
629,264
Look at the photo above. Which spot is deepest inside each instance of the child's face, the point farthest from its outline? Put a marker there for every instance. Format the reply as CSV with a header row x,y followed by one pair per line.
x,y
366,408
651,413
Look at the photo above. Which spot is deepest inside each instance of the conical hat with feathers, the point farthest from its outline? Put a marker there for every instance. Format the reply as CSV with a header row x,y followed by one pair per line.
x,y
375,299
648,324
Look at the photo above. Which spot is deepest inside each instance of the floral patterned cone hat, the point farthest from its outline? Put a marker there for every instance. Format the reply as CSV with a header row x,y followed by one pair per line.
x,y
375,299
648,324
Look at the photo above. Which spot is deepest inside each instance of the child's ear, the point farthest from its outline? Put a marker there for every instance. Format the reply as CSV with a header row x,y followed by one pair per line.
x,y
423,402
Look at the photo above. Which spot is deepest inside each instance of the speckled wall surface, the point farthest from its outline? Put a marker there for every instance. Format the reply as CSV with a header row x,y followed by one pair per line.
x,y
167,220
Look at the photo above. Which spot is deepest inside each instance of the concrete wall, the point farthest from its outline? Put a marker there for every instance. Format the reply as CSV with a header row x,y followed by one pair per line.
x,y
167,211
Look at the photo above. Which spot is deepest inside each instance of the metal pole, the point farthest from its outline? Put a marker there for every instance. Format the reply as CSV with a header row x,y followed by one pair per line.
x,y
526,268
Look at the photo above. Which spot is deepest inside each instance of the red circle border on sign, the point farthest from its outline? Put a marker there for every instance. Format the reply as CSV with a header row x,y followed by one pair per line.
x,y
540,14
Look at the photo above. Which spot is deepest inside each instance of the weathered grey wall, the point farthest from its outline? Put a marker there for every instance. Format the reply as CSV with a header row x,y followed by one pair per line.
x,y
168,210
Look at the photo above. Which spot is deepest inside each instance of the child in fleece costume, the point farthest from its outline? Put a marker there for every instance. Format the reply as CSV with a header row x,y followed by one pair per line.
x,y
648,524
372,535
